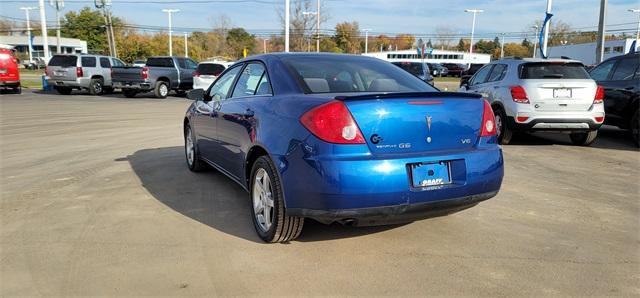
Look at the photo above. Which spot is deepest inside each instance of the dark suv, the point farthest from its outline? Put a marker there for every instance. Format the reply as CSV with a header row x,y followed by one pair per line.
x,y
620,78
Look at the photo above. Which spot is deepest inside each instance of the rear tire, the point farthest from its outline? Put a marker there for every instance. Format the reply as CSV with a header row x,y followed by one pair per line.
x,y
17,90
583,138
63,90
161,90
635,127
267,208
504,132
96,86
129,93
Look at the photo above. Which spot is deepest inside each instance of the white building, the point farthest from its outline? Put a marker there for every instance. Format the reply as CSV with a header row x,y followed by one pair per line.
x,y
67,45
436,56
586,52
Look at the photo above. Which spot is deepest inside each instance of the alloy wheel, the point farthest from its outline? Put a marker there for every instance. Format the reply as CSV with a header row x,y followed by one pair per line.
x,y
190,148
263,200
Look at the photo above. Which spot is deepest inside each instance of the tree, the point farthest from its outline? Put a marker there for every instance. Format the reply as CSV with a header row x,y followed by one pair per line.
x,y
516,50
405,41
239,39
88,25
303,27
462,46
346,37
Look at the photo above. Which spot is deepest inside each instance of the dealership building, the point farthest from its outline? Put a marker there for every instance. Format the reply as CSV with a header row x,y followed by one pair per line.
x,y
21,44
432,56
586,52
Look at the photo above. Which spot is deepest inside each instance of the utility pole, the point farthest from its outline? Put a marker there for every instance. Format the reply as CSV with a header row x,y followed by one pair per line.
x,y
638,31
186,49
169,12
26,10
502,46
286,25
473,28
105,5
535,39
264,45
366,40
546,30
601,31
43,26
58,5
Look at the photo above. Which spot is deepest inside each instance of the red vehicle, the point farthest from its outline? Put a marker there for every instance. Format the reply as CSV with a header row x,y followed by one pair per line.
x,y
9,74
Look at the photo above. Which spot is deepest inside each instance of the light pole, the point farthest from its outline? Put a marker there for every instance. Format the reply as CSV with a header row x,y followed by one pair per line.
x,y
535,39
286,25
169,12
58,5
366,40
473,28
502,46
638,31
29,45
43,27
602,20
315,13
264,45
186,49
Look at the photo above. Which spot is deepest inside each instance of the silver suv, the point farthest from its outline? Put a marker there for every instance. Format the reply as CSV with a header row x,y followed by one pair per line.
x,y
90,72
540,95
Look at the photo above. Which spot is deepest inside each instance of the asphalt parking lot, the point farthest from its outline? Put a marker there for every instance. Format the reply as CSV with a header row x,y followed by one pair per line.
x,y
96,200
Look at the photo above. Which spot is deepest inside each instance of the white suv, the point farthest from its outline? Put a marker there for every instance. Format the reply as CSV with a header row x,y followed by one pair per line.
x,y
540,95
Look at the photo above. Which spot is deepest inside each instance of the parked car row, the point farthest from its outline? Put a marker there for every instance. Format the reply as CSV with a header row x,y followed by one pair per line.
x,y
530,95
102,74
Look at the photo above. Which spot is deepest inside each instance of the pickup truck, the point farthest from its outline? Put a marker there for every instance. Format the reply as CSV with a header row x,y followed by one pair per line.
x,y
160,75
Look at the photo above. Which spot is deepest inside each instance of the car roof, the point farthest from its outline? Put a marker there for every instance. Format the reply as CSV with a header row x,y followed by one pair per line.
x,y
519,60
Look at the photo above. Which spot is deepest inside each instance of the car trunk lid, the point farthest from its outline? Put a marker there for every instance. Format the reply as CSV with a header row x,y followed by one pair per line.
x,y
417,122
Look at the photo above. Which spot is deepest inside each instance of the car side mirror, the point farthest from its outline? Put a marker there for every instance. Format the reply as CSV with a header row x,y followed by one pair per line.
x,y
464,81
196,94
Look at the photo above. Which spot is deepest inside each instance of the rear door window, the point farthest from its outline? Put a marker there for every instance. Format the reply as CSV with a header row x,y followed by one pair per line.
x,y
482,75
498,73
63,61
88,61
210,69
104,62
553,70
248,81
601,72
625,69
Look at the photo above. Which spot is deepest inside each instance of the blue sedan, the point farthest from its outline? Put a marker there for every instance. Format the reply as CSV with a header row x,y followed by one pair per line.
x,y
342,138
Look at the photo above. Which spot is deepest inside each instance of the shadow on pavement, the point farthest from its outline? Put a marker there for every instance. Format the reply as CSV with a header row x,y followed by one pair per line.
x,y
609,137
213,199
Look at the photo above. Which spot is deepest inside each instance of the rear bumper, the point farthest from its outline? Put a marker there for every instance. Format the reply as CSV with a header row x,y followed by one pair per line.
x,y
392,214
76,84
9,83
141,86
553,124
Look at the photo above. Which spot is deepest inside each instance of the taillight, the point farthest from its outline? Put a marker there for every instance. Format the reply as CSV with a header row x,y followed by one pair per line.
x,y
600,119
196,74
332,122
518,94
145,73
488,121
79,72
521,119
599,98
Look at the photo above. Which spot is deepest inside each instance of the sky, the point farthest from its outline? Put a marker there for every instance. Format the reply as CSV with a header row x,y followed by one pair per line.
x,y
381,16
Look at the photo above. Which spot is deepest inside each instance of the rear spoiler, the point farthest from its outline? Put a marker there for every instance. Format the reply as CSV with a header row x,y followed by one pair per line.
x,y
410,95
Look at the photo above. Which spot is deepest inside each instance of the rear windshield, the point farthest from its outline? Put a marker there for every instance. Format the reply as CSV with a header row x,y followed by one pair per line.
x,y
412,68
160,62
210,69
63,61
342,74
553,70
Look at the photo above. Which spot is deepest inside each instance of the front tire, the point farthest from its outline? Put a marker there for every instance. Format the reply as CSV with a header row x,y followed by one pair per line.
x,y
96,86
161,90
267,208
191,152
583,138
504,132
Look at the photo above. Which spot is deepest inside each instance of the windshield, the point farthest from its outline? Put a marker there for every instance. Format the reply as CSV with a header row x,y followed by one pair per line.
x,y
553,70
342,73
63,61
